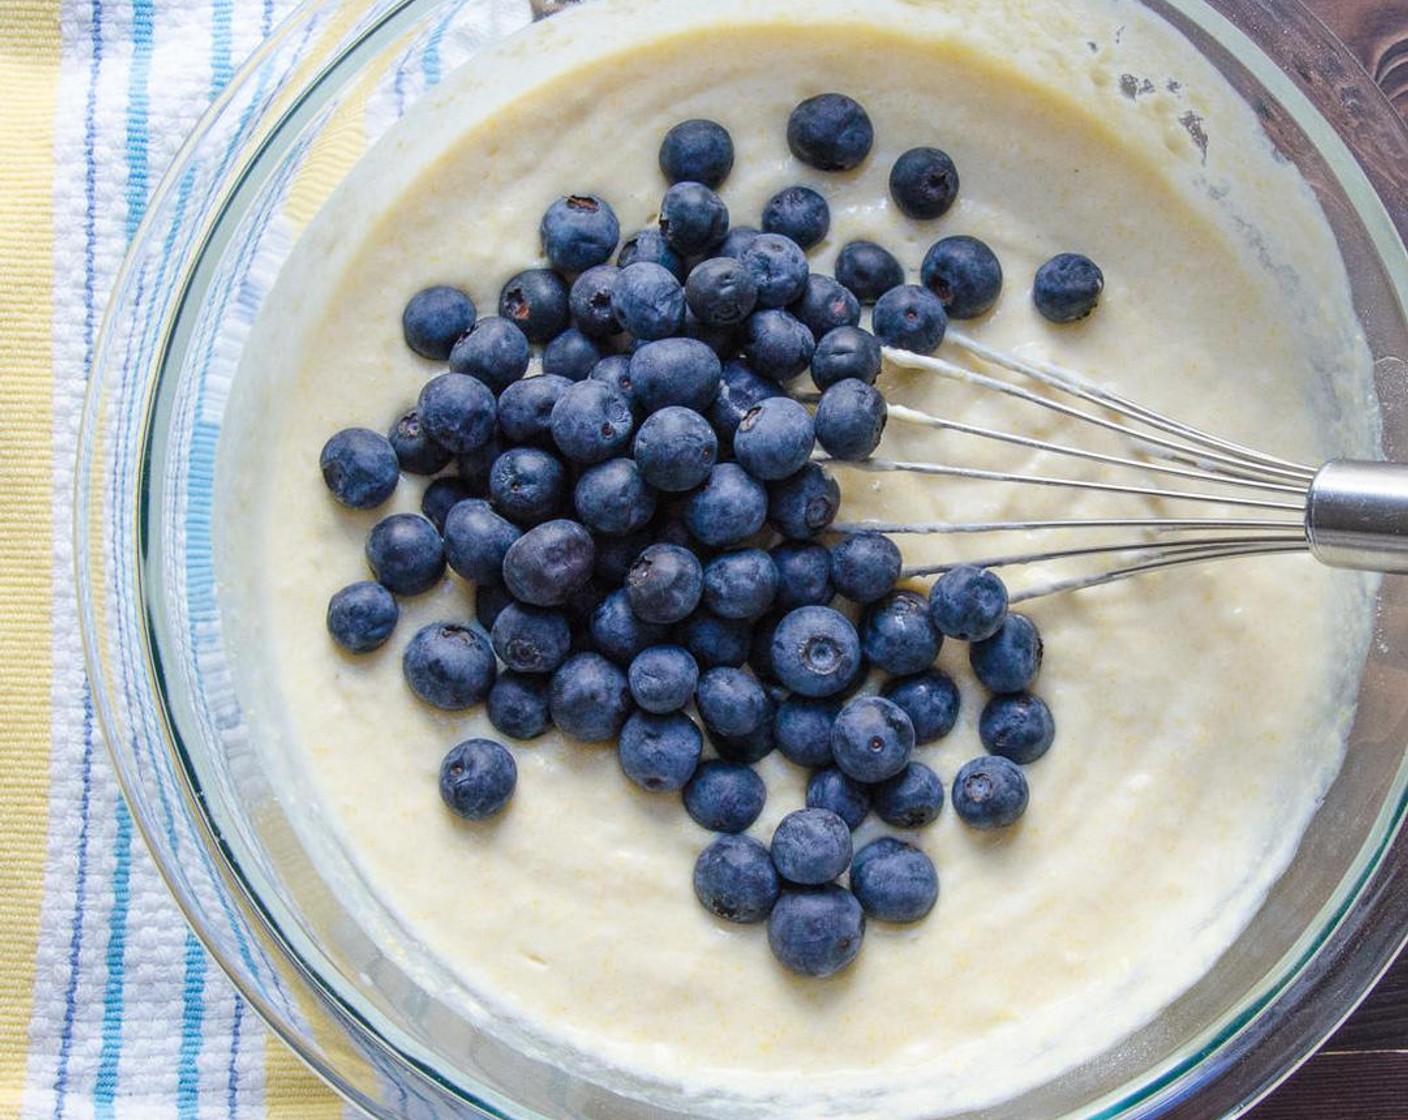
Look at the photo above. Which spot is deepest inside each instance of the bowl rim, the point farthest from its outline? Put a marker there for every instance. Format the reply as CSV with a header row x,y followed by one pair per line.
x,y
1165,1094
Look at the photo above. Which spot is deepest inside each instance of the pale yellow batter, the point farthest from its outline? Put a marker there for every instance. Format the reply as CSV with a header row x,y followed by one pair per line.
x,y
1201,714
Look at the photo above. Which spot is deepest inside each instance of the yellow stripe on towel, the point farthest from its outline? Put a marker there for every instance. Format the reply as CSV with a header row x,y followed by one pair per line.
x,y
29,71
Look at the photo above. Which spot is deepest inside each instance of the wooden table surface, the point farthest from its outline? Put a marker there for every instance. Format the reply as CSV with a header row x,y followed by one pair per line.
x,y
1361,1073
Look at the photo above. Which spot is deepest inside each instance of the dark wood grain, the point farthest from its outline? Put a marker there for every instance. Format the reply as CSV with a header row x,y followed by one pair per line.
x,y
1381,1022
1377,32
1361,1073
1342,1086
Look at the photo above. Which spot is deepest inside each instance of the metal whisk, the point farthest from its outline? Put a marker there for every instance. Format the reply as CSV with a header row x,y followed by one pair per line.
x,y
1346,513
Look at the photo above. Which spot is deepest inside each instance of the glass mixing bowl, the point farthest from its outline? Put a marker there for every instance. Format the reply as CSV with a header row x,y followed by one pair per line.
x,y
286,130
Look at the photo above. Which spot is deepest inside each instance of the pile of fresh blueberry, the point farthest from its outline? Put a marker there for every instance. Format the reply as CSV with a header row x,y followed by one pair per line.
x,y
643,522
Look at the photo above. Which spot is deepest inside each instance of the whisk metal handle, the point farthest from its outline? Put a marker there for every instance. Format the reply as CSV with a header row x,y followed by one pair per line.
x,y
1356,515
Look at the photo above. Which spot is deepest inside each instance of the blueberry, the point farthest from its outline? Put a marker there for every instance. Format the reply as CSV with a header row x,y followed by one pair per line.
x,y
803,732
832,789
664,584
473,467
850,419
910,799
662,678
777,344
872,738
739,390
774,439
692,218
591,422
735,241
525,408
1067,287
799,213
734,879
614,371
649,247
416,452
715,641
548,563
816,932
924,183
675,371
441,496
843,353
490,600
611,498
675,449
530,639
517,705
728,508
867,270
968,603
590,300
803,505
1010,659
449,666
894,881
830,132
731,701
964,273
528,485
434,318
571,355
721,339
725,796
1018,726
911,318
581,604
405,553
778,266
359,467
659,752
825,305
815,651
990,792
898,636
477,778
361,616
648,301
536,302
721,291
588,698
865,566
494,350
458,411
617,632
803,575
740,584
579,231
699,151
760,648
811,847
615,555
477,540
747,749
930,699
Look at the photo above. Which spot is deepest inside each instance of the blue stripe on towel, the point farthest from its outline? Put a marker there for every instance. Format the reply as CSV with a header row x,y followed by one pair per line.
x,y
90,129
193,994
233,1074
105,1089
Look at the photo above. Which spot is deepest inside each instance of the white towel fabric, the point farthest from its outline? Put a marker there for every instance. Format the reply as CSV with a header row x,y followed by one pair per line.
x,y
130,1017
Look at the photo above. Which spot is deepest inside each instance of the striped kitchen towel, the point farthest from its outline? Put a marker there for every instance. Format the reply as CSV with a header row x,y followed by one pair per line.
x,y
108,1005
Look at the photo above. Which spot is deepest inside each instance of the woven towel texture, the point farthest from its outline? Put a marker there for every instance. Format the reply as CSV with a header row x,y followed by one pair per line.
x,y
108,1006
